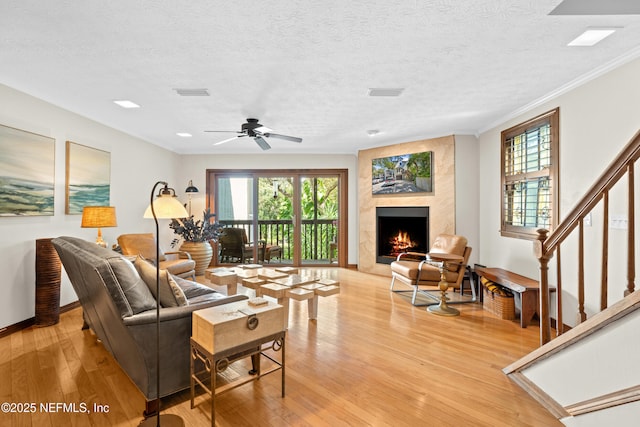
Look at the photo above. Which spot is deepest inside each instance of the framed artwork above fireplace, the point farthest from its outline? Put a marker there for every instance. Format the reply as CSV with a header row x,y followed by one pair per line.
x,y
406,173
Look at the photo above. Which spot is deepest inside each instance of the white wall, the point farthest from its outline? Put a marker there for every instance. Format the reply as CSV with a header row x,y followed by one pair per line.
x,y
135,167
597,119
468,192
193,167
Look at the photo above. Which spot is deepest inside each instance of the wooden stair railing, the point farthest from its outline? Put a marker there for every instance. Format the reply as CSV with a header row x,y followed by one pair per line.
x,y
547,244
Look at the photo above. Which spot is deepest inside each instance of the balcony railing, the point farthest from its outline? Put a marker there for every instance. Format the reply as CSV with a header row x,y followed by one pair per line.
x,y
317,236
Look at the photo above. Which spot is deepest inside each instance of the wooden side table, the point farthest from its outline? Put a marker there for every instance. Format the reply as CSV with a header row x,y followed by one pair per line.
x,y
441,260
227,333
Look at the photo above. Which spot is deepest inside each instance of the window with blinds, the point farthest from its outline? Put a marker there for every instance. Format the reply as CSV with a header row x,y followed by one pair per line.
x,y
529,176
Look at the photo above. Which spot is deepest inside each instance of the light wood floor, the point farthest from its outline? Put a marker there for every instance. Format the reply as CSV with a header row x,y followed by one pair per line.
x,y
370,358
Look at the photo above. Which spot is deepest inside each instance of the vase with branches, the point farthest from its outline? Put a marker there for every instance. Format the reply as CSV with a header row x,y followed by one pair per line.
x,y
196,235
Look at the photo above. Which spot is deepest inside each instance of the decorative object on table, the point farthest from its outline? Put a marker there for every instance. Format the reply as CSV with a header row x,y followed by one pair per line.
x,y
196,236
48,274
201,253
27,162
87,179
191,190
407,173
166,205
98,217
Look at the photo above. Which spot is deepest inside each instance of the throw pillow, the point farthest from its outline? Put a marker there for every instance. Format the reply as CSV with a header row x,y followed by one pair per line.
x,y
171,295
127,289
178,293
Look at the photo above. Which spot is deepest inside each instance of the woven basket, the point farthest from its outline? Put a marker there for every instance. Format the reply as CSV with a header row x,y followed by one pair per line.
x,y
502,306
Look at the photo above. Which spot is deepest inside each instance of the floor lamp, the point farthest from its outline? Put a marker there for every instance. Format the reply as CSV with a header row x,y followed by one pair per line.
x,y
191,190
166,206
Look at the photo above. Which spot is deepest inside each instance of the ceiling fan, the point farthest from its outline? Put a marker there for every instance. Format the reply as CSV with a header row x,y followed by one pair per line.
x,y
258,132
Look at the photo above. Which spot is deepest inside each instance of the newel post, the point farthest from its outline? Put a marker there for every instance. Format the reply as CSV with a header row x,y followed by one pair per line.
x,y
540,253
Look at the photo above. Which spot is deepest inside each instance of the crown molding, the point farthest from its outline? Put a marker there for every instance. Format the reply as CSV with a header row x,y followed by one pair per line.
x,y
573,84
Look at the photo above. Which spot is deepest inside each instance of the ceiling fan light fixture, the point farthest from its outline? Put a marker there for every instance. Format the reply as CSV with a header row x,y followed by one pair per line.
x,y
252,128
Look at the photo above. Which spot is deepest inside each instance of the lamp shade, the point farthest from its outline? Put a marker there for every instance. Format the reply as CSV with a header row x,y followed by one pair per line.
x,y
98,216
166,206
191,188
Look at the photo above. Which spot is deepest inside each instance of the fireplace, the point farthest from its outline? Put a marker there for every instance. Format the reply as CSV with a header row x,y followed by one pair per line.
x,y
401,229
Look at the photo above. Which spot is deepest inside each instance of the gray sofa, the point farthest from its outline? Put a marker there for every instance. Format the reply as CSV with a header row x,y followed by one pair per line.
x,y
120,309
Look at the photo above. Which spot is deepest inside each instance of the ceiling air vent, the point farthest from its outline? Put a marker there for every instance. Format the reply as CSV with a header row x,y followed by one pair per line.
x,y
389,91
192,92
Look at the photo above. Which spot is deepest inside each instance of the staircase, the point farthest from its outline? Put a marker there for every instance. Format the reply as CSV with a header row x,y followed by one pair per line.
x,y
589,374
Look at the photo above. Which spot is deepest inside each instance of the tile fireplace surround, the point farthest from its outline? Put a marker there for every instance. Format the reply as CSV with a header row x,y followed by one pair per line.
x,y
441,201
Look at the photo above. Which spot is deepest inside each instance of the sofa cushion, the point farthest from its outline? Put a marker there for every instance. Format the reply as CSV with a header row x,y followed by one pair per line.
x,y
128,290
171,295
193,289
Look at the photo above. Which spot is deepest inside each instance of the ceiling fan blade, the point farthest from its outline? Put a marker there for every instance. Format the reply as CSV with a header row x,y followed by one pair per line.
x,y
286,137
228,139
262,143
262,130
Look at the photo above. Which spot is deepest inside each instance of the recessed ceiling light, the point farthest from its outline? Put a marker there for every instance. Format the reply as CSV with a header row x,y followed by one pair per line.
x,y
592,36
373,132
125,103
388,91
184,134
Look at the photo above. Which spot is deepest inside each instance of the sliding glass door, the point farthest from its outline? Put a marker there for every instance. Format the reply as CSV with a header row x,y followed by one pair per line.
x,y
276,218
319,219
289,217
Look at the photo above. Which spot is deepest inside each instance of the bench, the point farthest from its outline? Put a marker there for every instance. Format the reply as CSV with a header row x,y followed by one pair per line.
x,y
526,291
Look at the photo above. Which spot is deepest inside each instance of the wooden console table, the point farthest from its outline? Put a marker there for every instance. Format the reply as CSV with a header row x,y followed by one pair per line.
x,y
528,290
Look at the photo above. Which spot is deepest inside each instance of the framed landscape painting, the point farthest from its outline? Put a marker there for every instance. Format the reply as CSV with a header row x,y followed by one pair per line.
x,y
407,173
27,173
88,180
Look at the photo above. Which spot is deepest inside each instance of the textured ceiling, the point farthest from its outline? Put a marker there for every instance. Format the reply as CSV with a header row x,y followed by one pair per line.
x,y
302,67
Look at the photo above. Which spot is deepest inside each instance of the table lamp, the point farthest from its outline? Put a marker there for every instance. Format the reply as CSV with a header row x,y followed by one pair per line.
x,y
98,217
166,206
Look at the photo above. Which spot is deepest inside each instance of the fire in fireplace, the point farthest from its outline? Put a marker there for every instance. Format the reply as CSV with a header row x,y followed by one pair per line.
x,y
401,229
